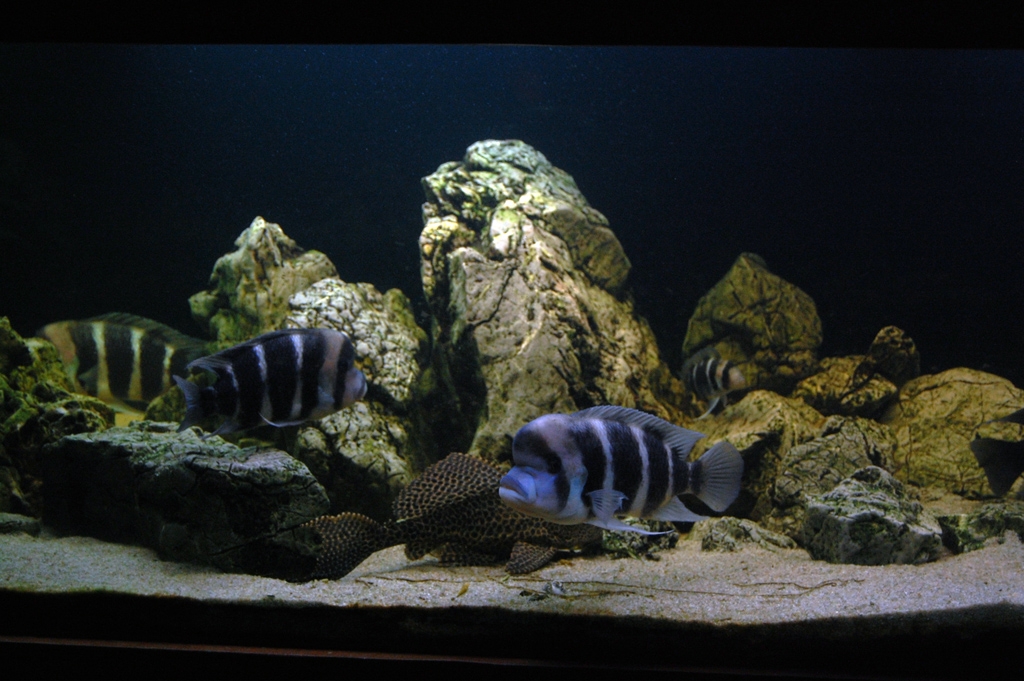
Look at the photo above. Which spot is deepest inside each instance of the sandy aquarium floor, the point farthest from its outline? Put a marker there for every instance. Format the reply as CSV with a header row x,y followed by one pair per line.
x,y
749,586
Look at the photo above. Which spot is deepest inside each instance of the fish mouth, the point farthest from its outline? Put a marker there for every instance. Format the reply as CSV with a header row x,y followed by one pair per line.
x,y
512,491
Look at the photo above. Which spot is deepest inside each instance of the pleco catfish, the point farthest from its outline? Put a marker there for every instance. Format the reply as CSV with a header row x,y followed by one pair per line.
x,y
589,466
122,359
453,510
281,378
712,378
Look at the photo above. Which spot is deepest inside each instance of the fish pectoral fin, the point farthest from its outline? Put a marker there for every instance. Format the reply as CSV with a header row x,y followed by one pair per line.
x,y
528,557
89,380
281,424
616,525
675,511
711,408
606,502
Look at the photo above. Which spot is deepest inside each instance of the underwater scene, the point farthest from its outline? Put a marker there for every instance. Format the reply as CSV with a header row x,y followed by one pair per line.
x,y
691,360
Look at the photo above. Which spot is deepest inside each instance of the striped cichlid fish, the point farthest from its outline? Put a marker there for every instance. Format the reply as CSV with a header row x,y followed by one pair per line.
x,y
281,378
122,359
601,462
711,377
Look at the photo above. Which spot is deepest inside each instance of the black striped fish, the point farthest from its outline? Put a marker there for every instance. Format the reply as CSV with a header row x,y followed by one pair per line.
x,y
281,378
711,377
122,359
601,462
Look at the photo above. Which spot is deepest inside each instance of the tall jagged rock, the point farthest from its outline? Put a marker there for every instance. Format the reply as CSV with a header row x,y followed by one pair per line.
x,y
250,287
762,323
526,284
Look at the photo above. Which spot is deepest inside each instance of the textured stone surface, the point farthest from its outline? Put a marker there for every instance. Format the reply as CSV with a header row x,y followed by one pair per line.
x,y
192,500
730,534
844,445
250,287
358,454
893,355
971,531
869,520
763,426
14,522
934,420
765,325
37,407
528,321
844,387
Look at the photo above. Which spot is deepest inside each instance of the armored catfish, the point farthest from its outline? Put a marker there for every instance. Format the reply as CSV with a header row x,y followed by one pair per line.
x,y
454,511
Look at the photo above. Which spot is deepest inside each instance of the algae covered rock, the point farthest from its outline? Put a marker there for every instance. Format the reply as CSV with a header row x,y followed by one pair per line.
x,y
762,323
935,418
893,355
250,288
844,445
190,499
635,545
528,318
868,519
359,455
971,531
731,534
37,407
841,387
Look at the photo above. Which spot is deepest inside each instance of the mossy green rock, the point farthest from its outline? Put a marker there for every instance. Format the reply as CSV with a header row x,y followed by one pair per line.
x,y
250,287
37,407
764,324
868,519
844,445
191,500
841,388
971,531
731,534
934,419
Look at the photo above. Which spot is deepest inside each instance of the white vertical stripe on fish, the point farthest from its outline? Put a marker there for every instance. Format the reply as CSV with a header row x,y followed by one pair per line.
x,y
135,382
266,408
168,354
296,411
99,337
636,505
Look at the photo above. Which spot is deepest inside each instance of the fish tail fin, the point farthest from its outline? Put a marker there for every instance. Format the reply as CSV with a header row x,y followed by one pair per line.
x,y
1001,461
715,477
194,408
347,540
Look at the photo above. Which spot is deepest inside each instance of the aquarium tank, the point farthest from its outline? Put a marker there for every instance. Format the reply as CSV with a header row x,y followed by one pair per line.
x,y
512,359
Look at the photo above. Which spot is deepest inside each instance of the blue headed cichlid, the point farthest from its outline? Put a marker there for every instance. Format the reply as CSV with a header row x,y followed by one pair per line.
x,y
281,378
712,378
601,462
122,359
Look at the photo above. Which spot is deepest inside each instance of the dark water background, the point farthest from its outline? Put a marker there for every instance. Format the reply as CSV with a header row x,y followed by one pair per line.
x,y
888,184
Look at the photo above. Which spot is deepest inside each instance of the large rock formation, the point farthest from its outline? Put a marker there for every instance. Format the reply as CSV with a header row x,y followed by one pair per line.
x,y
191,500
525,281
868,519
934,420
250,288
762,323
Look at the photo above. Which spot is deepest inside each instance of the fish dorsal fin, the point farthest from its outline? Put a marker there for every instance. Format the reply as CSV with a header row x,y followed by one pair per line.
x,y
170,336
453,479
680,440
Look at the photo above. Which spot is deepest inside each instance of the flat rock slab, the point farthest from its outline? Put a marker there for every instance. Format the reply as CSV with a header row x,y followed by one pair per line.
x,y
747,609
